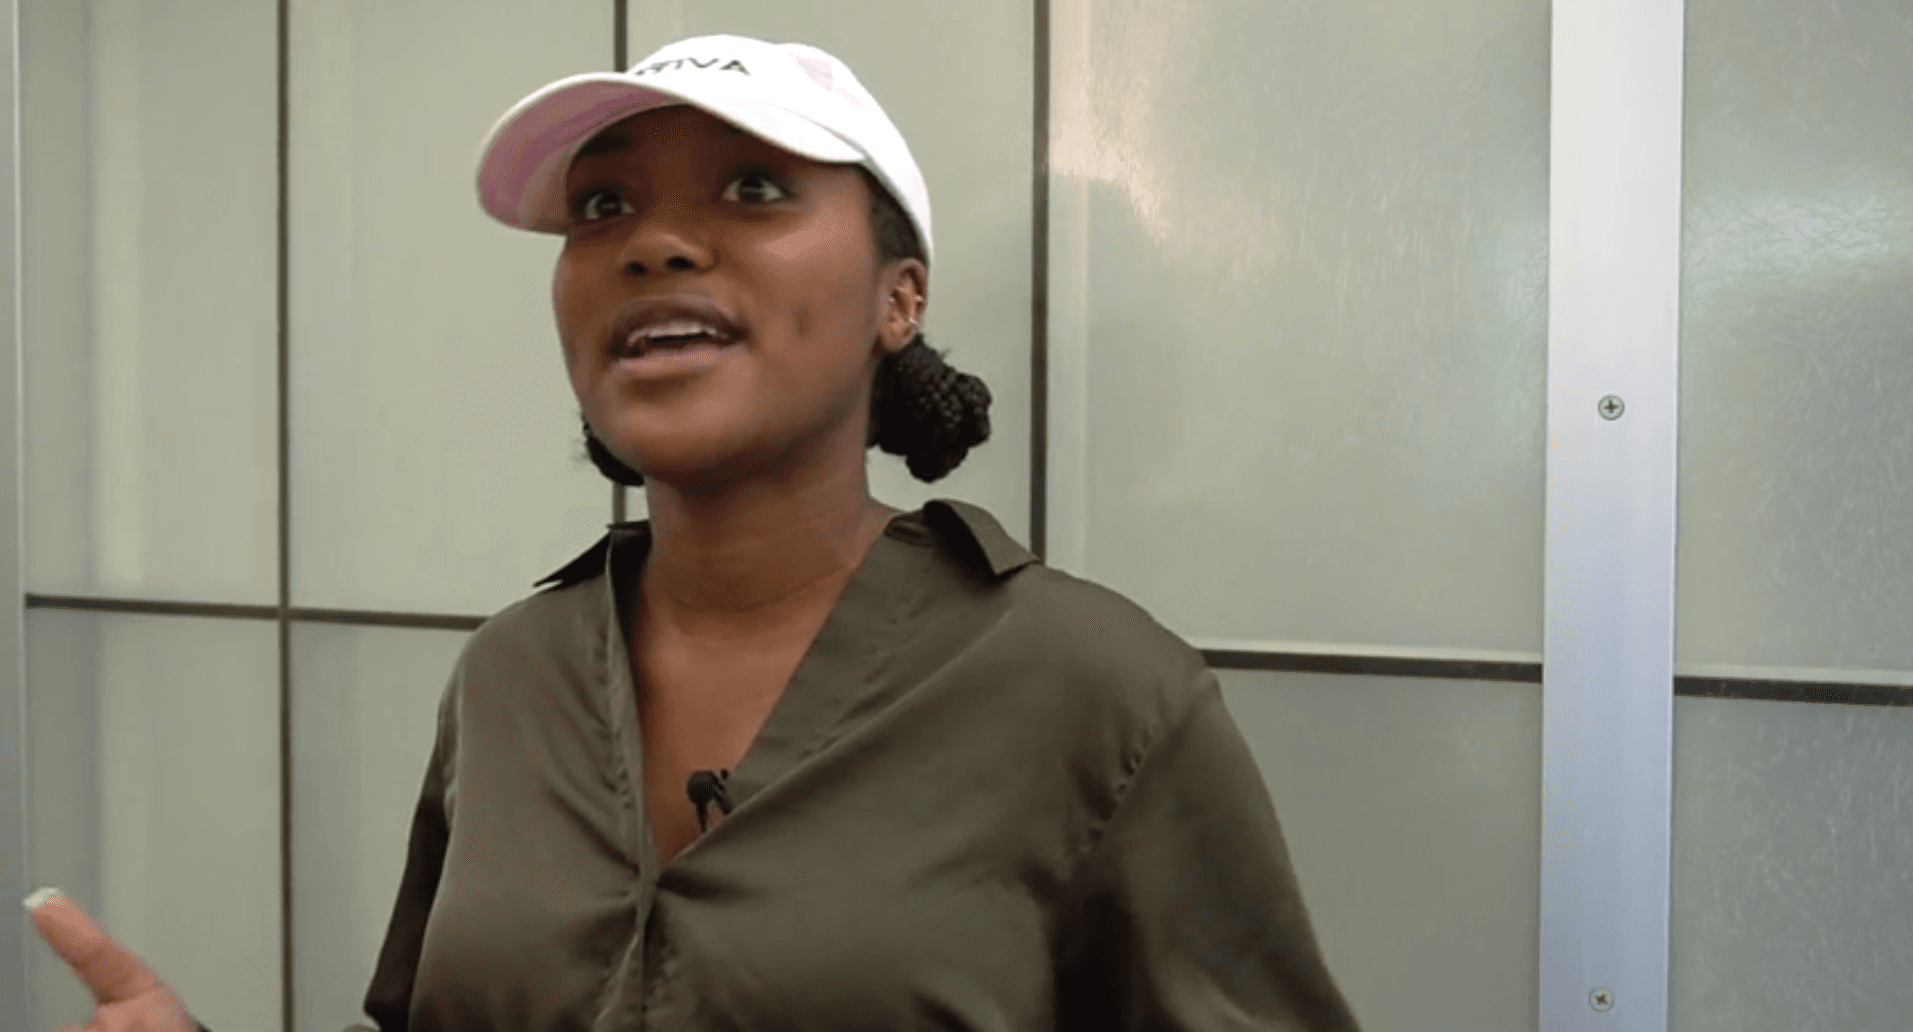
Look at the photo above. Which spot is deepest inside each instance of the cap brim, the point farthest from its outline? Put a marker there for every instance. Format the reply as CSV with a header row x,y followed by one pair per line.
x,y
523,162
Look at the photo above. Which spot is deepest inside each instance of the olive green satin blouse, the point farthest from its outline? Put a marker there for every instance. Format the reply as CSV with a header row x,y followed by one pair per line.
x,y
992,797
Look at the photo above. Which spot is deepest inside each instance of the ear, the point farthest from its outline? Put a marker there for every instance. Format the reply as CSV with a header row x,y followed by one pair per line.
x,y
904,293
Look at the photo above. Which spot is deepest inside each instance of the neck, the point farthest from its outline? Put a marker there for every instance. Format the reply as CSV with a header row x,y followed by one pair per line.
x,y
737,560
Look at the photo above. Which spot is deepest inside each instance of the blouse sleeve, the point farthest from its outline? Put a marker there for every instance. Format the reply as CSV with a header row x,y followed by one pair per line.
x,y
1186,915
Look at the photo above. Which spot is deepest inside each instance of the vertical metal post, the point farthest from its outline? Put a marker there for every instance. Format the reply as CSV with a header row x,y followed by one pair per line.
x,y
282,232
1613,385
1039,282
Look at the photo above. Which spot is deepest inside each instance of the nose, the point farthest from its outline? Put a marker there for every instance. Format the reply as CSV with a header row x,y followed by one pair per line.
x,y
665,240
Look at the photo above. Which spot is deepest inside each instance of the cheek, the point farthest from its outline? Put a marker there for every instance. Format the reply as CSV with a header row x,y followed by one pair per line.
x,y
568,309
829,293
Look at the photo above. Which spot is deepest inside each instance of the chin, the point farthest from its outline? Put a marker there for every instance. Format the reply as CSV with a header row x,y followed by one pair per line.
x,y
682,457
709,444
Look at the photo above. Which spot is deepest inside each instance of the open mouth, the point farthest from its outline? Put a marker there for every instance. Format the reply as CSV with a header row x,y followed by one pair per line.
x,y
677,323
673,335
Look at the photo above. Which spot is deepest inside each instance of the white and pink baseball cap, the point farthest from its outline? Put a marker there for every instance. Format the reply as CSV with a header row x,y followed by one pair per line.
x,y
793,96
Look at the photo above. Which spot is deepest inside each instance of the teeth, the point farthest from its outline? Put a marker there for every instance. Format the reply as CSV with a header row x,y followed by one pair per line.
x,y
673,328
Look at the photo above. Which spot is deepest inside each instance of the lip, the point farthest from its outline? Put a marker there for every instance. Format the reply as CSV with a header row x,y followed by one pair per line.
x,y
640,313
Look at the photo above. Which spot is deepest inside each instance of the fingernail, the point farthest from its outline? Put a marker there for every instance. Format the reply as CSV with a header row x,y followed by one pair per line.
x,y
33,902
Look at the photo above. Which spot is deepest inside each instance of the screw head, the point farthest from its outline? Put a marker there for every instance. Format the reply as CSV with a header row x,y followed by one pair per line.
x,y
1611,407
1601,999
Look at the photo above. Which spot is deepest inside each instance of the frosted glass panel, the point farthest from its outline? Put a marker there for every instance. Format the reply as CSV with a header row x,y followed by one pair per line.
x,y
1412,810
365,707
148,192
1796,472
153,800
957,80
1299,312
436,454
1793,867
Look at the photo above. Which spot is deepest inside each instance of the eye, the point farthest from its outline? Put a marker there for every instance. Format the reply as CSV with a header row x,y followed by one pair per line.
x,y
592,207
754,188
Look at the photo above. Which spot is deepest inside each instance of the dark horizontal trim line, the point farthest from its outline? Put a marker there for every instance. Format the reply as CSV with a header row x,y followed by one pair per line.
x,y
1844,693
152,608
367,618
354,617
1793,691
1374,666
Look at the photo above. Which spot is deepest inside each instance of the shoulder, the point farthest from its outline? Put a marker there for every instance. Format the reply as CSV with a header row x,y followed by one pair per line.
x,y
1062,671
1073,635
555,626
534,661
1103,641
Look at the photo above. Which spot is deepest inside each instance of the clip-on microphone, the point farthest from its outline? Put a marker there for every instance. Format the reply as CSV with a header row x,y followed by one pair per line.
x,y
707,787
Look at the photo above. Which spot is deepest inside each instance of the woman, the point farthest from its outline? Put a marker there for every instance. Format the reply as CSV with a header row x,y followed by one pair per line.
x,y
783,757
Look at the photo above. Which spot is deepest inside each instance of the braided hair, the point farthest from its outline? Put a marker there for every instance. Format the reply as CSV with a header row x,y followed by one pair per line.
x,y
920,407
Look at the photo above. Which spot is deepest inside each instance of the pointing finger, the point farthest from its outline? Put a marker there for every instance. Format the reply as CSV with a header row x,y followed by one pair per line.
x,y
113,972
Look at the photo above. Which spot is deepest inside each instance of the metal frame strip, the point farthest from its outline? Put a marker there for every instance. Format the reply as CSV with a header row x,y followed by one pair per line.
x,y
1613,388
1039,280
288,966
15,1003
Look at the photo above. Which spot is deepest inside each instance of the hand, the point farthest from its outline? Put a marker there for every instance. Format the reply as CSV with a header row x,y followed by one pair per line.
x,y
131,998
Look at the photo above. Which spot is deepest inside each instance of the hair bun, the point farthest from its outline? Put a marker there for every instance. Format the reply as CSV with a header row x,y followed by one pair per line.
x,y
927,412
